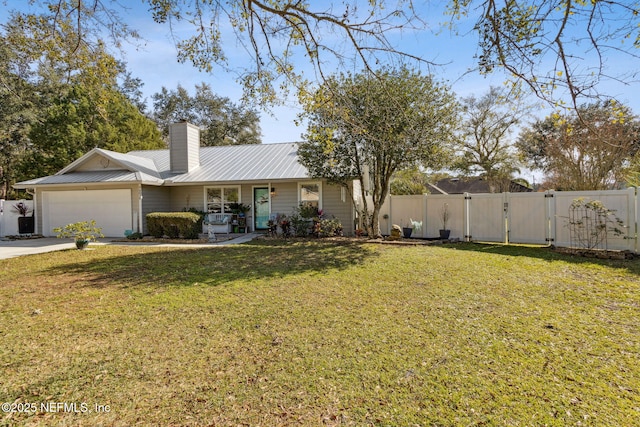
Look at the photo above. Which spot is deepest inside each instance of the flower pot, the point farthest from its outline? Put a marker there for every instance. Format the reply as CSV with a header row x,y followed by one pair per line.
x,y
82,244
406,232
444,234
26,225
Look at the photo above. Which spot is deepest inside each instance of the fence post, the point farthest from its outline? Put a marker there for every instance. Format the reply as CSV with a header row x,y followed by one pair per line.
x,y
466,217
551,216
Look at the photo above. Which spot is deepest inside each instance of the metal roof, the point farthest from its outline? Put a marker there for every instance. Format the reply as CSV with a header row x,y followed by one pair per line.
x,y
113,176
229,163
225,163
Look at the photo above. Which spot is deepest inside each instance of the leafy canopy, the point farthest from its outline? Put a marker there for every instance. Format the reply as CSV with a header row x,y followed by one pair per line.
x,y
367,126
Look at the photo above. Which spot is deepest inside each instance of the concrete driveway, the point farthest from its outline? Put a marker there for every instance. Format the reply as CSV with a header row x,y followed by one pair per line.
x,y
15,248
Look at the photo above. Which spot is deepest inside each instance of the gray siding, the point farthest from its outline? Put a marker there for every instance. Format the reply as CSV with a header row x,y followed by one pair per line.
x,y
286,198
184,149
154,199
333,205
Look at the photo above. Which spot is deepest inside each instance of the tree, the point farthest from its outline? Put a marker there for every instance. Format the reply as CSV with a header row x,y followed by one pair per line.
x,y
557,48
408,182
72,125
60,99
223,122
588,150
368,126
485,148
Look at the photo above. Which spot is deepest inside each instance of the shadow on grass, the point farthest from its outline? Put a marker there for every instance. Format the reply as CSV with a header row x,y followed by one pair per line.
x,y
218,265
546,253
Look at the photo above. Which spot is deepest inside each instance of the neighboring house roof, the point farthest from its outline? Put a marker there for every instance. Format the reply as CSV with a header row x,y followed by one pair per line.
x,y
472,185
234,163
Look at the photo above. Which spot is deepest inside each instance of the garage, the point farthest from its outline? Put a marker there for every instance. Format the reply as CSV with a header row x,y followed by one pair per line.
x,y
111,209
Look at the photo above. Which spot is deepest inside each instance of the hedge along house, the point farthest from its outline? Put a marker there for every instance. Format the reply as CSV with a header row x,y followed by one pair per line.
x,y
118,190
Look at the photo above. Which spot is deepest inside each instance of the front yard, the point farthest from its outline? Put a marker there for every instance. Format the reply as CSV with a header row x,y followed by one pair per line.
x,y
319,333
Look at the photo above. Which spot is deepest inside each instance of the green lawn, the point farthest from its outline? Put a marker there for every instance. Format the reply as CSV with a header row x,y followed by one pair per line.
x,y
320,333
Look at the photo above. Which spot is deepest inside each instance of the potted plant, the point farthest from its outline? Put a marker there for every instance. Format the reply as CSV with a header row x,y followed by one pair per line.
x,y
81,232
26,224
444,219
407,230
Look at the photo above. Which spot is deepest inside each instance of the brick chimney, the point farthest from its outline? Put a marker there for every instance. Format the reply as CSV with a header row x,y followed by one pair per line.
x,y
184,147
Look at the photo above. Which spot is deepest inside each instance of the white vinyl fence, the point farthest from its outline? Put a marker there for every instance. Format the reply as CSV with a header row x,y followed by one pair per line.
x,y
533,218
9,217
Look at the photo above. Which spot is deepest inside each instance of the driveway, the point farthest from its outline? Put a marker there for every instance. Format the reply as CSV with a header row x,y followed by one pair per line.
x,y
15,248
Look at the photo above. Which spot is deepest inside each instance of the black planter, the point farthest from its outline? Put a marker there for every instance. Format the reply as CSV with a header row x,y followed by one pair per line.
x,y
26,225
406,232
444,234
82,244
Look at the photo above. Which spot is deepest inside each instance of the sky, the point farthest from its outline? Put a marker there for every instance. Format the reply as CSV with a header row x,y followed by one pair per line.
x,y
155,63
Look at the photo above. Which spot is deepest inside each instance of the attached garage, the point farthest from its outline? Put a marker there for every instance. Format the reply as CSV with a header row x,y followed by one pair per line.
x,y
111,209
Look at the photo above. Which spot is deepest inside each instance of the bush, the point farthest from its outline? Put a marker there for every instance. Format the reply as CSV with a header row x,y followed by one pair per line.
x,y
328,227
301,226
135,236
174,224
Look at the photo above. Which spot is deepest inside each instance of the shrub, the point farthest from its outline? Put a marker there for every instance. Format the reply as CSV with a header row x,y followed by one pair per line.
x,y
135,236
301,226
328,227
174,224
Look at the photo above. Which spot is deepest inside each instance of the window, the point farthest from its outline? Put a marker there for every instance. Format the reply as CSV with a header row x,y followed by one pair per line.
x,y
310,193
219,199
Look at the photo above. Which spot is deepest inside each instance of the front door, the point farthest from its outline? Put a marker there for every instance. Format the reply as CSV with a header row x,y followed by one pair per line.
x,y
261,208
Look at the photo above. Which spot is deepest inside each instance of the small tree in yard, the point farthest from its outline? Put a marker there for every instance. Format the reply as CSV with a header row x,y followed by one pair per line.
x,y
368,126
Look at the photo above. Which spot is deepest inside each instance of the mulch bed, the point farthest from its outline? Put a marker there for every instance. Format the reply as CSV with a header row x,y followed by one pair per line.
x,y
597,253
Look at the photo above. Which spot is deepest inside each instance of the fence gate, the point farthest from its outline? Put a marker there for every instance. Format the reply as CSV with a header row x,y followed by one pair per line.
x,y
529,217
486,217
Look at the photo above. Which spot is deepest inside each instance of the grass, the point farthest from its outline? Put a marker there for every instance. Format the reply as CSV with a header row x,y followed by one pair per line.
x,y
320,333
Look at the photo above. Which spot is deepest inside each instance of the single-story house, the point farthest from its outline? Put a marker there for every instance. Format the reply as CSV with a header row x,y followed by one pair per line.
x,y
118,190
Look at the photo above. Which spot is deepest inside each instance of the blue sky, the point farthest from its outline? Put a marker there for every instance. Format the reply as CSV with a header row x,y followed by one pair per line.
x,y
155,63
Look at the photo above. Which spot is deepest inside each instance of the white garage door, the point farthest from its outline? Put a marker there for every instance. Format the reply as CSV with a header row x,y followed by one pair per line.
x,y
111,209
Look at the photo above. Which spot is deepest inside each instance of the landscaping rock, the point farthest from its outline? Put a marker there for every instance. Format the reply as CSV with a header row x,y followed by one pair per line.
x,y
396,232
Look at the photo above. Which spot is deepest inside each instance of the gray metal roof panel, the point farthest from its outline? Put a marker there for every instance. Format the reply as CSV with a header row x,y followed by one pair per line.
x,y
235,163
115,176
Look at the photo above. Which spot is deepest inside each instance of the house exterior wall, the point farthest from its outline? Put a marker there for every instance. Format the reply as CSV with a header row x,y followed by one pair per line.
x,y
154,199
285,200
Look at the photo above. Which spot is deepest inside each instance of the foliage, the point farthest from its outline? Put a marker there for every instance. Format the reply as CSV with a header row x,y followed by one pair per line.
x,y
588,150
222,122
590,223
60,98
409,182
308,211
327,227
79,231
543,43
368,126
22,208
301,225
285,225
239,208
135,236
380,335
174,224
484,147
522,38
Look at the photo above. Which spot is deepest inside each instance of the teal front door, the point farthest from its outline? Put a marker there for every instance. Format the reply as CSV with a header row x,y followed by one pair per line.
x,y
261,208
